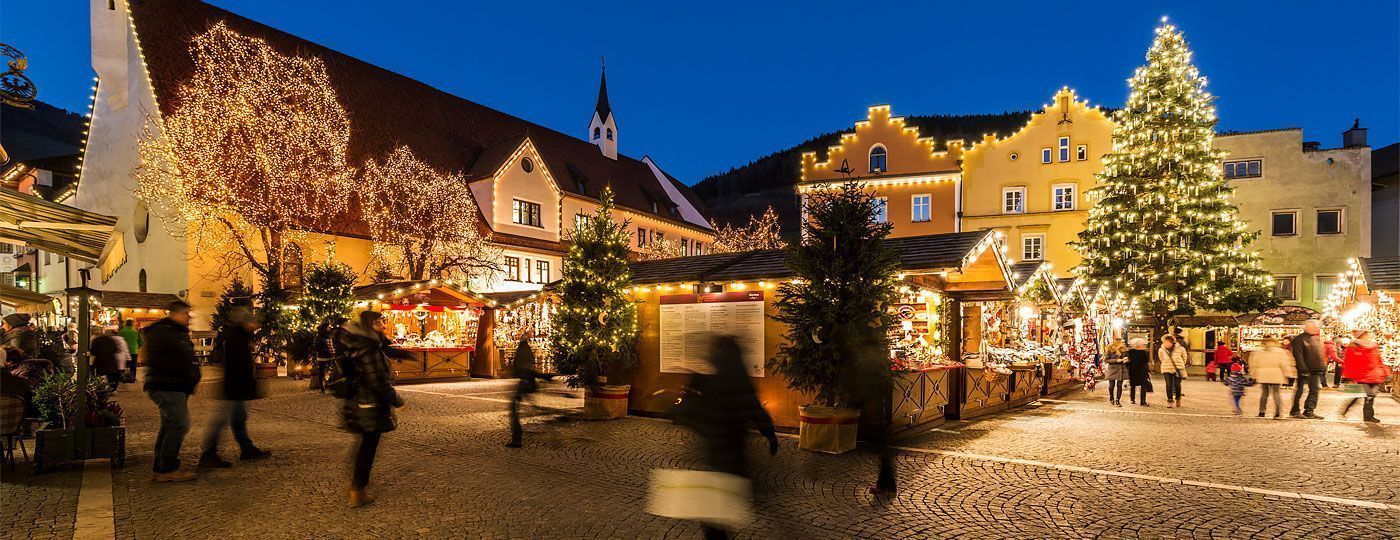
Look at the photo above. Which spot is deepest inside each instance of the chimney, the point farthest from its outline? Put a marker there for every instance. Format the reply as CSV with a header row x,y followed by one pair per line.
x,y
1354,137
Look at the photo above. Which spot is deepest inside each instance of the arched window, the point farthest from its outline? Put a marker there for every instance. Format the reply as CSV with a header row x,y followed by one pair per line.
x,y
878,163
610,135
291,266
141,281
597,133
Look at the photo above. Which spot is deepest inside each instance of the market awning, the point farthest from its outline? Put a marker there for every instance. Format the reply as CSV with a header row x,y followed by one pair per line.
x,y
63,230
1381,273
511,299
16,297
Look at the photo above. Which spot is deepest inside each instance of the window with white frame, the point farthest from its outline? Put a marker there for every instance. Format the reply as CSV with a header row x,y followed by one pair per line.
x,y
685,246
525,213
1013,200
512,268
1323,284
1329,221
1064,149
1283,223
1032,247
1286,287
882,210
582,220
1081,152
699,248
1062,197
1045,154
879,159
921,208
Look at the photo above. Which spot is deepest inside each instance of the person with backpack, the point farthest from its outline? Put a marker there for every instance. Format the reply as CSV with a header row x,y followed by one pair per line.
x,y
523,367
369,397
240,385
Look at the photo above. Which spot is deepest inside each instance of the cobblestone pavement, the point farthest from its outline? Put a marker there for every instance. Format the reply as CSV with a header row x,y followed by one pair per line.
x,y
445,473
41,506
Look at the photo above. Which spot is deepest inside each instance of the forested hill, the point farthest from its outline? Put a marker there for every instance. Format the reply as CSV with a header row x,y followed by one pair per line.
x,y
749,189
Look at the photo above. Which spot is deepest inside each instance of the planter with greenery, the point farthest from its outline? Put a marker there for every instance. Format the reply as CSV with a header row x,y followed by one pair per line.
x,y
836,313
594,332
56,399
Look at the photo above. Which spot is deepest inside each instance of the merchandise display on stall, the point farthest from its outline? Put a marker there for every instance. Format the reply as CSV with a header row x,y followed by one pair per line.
x,y
433,319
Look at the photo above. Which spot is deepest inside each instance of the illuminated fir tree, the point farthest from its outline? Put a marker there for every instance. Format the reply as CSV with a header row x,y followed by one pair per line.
x,y
1162,228
424,222
761,233
254,151
594,328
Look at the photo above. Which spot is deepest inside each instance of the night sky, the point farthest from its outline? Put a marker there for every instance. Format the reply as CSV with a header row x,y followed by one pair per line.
x,y
702,89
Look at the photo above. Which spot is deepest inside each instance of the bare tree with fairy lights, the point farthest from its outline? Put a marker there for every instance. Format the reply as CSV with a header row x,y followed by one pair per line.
x,y
1163,229
761,232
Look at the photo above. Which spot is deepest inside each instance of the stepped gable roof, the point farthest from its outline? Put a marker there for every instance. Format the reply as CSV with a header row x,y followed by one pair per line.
x,y
1382,273
388,109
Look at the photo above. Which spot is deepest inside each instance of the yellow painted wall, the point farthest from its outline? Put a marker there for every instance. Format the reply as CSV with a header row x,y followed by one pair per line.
x,y
995,164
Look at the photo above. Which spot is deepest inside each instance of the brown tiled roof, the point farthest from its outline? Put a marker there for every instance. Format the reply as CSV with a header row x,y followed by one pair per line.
x,y
128,299
388,109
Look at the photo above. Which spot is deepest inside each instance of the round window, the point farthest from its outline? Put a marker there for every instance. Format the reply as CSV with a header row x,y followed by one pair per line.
x,y
1013,156
141,221
527,164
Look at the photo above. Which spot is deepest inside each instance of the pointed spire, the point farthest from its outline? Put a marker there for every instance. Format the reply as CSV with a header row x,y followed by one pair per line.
x,y
603,108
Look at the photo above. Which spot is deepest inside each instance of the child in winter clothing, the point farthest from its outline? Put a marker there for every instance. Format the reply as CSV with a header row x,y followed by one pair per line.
x,y
1235,379
1210,372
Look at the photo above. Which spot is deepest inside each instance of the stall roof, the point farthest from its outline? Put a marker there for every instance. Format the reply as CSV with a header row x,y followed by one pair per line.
x,y
16,297
1021,272
510,299
1201,321
398,289
141,300
64,230
1382,273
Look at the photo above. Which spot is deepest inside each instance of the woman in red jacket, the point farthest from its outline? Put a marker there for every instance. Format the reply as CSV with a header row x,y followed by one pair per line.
x,y
1363,366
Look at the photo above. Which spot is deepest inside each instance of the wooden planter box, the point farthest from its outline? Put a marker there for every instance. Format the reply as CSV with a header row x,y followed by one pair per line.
x,y
60,445
828,430
606,402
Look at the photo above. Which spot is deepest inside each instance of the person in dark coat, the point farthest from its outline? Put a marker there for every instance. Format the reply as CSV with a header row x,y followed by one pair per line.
x,y
720,406
108,350
20,335
172,372
326,349
1139,371
1309,358
240,385
369,409
523,367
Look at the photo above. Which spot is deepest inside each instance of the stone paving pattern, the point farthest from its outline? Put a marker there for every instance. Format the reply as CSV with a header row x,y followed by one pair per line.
x,y
445,473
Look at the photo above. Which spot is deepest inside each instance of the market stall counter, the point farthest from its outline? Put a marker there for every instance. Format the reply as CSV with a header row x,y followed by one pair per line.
x,y
435,321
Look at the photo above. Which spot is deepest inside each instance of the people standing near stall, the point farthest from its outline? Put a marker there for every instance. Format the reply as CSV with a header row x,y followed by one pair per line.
x,y
369,398
132,337
1271,366
1117,372
20,335
1139,371
109,357
1172,357
1363,366
1312,367
1334,363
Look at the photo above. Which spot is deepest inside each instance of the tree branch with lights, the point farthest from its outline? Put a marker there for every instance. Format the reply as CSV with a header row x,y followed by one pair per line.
x,y
762,232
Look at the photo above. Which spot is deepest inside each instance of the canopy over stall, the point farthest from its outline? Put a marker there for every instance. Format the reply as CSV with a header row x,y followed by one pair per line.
x,y
433,319
24,300
86,236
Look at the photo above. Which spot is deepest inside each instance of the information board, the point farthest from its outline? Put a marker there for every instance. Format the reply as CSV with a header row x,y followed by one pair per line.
x,y
689,320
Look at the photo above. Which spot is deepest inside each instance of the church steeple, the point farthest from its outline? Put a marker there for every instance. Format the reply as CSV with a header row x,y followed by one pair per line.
x,y
602,130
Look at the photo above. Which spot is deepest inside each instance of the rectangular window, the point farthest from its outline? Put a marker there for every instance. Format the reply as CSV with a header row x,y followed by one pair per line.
x,y
541,271
1286,287
1032,247
685,246
699,248
525,213
1081,152
1329,221
882,214
922,208
7,248
1284,224
1045,154
528,274
1064,149
1245,168
1063,197
1013,200
641,237
512,268
581,221
1322,286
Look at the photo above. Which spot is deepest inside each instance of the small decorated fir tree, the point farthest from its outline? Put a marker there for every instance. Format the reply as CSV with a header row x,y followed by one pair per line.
x,y
236,294
594,329
837,310
1162,229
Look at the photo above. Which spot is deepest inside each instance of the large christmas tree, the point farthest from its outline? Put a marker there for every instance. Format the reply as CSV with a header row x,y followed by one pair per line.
x,y
1162,229
594,329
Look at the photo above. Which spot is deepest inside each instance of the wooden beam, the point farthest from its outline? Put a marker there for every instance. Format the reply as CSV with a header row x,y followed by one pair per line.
x,y
56,225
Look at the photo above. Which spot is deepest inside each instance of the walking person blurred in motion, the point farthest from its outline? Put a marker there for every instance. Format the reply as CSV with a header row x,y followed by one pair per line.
x,y
1172,357
1363,366
20,335
326,349
1312,367
172,373
720,406
1117,370
523,368
132,337
109,357
240,385
1139,371
1334,363
871,388
1237,381
1271,366
369,398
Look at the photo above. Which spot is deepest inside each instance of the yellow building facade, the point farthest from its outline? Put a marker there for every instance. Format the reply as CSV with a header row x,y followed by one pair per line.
x,y
917,182
1031,185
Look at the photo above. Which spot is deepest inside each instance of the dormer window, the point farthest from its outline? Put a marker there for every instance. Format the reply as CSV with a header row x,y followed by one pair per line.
x,y
597,132
878,162
610,135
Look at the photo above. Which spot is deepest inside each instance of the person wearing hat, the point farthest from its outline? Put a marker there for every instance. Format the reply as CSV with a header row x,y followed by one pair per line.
x,y
20,335
1271,367
239,386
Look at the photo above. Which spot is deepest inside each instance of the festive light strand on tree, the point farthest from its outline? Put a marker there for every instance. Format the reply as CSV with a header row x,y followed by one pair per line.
x,y
762,232
596,321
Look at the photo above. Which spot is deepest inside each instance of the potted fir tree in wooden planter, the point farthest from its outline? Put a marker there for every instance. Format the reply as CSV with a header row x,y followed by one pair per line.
x,y
593,333
836,312
103,436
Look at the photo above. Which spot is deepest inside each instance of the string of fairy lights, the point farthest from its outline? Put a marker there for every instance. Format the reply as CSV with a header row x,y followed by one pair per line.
x,y
595,309
1162,227
762,232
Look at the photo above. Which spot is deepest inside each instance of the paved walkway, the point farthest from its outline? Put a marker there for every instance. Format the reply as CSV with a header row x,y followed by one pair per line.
x,y
1075,468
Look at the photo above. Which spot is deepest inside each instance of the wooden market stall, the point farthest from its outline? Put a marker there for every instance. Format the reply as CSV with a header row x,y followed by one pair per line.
x,y
681,300
514,315
20,300
1379,289
434,320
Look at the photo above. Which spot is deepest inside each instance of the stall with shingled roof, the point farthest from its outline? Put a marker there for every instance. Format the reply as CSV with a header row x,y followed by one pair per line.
x,y
435,320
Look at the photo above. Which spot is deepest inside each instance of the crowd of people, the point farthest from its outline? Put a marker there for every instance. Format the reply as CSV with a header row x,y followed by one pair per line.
x,y
1301,362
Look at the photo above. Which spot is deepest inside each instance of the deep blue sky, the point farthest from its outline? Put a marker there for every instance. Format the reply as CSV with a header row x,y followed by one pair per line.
x,y
704,88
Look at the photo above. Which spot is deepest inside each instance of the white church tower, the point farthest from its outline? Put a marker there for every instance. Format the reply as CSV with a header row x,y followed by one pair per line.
x,y
602,130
